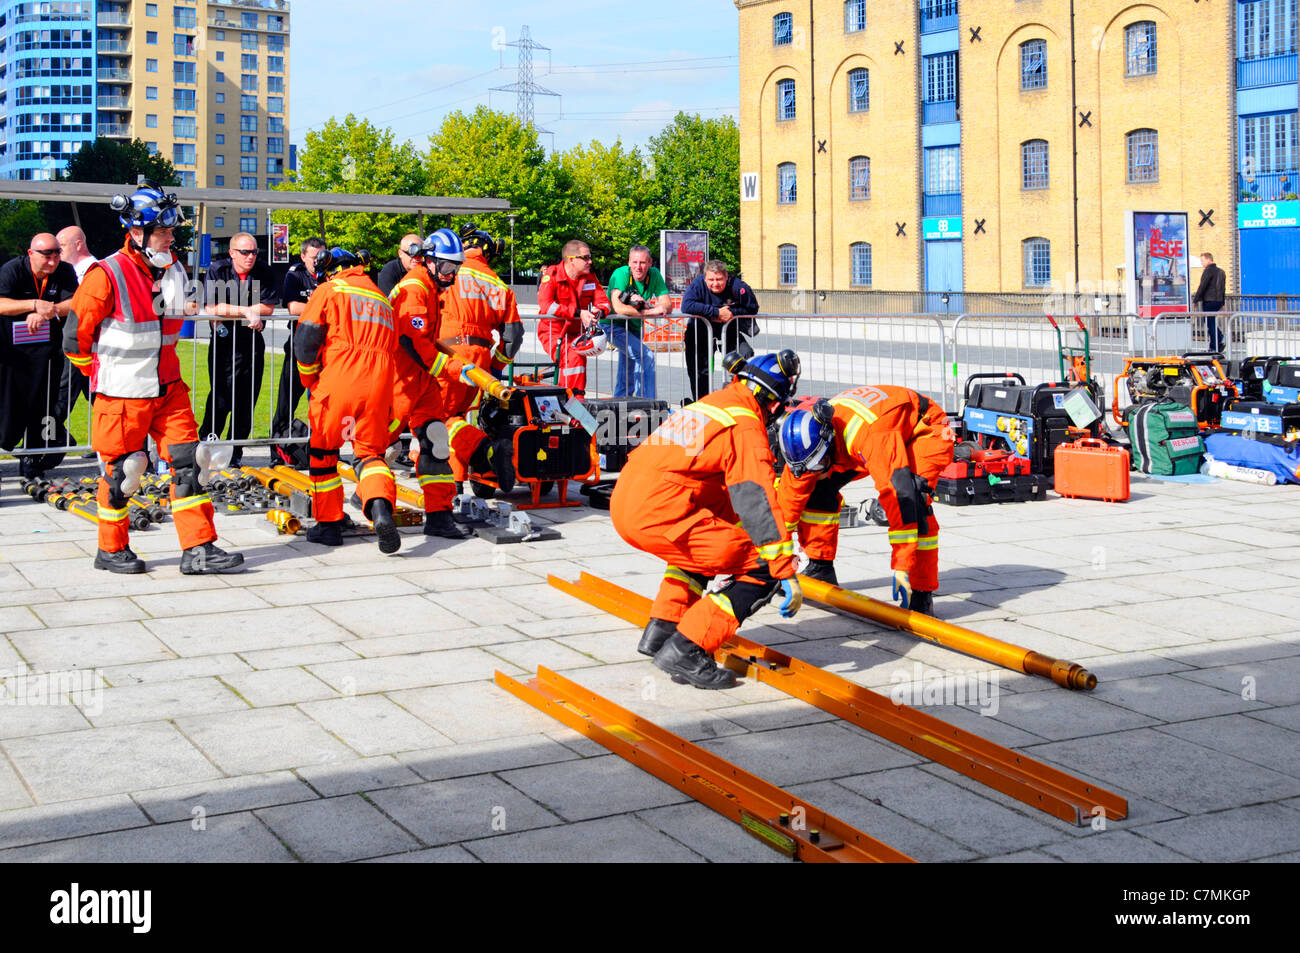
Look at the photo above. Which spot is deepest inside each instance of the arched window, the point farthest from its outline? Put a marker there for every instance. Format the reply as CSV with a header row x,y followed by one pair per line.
x,y
784,99
1033,64
859,91
787,265
786,187
783,29
1038,262
860,263
1143,155
1033,164
1140,48
859,178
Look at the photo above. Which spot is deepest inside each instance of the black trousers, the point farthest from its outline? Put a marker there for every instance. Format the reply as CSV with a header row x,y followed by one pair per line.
x,y
1212,324
290,390
700,339
29,411
236,360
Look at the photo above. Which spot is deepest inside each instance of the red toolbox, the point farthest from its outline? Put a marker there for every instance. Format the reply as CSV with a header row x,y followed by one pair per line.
x,y
1092,469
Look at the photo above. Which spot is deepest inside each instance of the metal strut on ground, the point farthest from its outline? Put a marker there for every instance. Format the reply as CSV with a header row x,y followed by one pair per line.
x,y
774,816
1019,776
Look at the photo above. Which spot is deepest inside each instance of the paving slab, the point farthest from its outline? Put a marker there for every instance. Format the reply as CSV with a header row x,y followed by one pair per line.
x,y
787,756
353,777
336,829
1266,745
69,819
373,725
278,686
480,757
394,673
431,855
222,796
245,631
458,810
1114,846
608,840
1244,833
87,646
157,701
265,739
592,787
229,838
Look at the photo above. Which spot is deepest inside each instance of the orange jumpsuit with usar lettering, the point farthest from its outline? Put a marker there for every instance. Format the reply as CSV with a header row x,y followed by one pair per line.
x,y
698,493
344,345
879,431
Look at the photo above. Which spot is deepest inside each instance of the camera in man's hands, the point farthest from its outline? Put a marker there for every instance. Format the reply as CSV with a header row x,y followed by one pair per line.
x,y
627,296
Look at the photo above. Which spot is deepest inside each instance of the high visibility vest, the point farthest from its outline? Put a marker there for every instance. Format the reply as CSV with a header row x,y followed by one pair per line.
x,y
134,353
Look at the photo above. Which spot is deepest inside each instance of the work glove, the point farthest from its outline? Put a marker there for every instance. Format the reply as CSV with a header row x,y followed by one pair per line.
x,y
902,593
793,597
471,376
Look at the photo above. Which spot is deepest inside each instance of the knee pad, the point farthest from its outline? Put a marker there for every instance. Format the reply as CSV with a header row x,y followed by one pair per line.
x,y
126,476
905,490
435,440
185,469
512,336
750,592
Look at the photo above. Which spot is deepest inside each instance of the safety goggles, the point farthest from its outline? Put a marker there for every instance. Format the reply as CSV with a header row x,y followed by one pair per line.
x,y
446,268
815,462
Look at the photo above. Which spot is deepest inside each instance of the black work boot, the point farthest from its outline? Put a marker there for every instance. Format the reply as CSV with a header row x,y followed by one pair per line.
x,y
123,561
501,458
922,602
684,660
208,559
656,634
821,569
326,533
381,515
441,524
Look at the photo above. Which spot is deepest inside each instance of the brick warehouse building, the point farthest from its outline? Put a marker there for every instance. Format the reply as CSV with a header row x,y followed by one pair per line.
x,y
203,82
991,146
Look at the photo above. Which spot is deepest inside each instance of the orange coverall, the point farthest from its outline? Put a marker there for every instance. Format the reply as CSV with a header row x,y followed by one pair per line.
x,y
560,300
699,494
477,304
422,370
121,425
879,430
344,345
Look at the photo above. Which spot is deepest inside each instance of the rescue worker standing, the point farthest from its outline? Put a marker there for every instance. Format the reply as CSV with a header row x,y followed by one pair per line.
x,y
418,302
570,302
126,317
902,440
698,493
344,348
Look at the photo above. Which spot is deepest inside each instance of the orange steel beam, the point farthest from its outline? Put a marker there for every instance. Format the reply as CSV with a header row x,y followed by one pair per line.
x,y
1067,674
1023,778
774,816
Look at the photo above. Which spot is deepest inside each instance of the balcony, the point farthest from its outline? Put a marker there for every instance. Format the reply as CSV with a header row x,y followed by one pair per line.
x,y
112,102
1266,71
1268,187
113,46
113,75
114,19
113,130
939,112
945,203
938,15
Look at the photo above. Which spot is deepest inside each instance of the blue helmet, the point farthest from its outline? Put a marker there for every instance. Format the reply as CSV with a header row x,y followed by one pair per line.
x,y
805,438
444,244
330,260
770,376
147,207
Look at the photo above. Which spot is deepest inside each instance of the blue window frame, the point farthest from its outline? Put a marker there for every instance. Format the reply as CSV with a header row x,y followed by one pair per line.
x,y
1033,161
941,78
1266,28
787,265
1140,48
783,29
859,90
1143,146
1033,64
943,170
785,102
859,178
1270,156
860,263
855,16
786,184
1038,262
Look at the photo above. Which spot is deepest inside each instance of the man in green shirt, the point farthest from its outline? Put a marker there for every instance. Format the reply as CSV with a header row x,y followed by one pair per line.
x,y
636,291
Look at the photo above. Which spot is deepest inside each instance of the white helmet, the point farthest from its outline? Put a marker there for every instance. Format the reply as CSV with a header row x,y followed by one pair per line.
x,y
591,343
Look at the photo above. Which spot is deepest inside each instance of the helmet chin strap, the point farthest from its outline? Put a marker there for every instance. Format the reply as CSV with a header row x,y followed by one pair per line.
x,y
156,259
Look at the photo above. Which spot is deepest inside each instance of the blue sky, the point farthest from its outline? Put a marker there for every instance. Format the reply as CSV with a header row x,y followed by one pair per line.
x,y
623,69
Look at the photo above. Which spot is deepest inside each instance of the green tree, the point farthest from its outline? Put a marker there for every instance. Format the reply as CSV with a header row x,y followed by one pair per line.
x,y
117,163
697,180
19,221
611,191
354,155
490,154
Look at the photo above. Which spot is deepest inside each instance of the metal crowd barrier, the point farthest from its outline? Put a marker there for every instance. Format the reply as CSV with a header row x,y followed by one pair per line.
x,y
1255,333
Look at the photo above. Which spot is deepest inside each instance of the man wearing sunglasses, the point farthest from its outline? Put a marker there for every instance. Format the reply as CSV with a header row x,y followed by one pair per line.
x,y
35,294
570,301
242,288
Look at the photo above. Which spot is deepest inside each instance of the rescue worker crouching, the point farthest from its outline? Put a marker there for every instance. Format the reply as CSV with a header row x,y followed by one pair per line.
x,y
344,347
422,365
898,437
699,494
121,332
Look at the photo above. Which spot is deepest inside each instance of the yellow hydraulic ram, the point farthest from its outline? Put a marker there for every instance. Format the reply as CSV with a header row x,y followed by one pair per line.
x,y
1036,784
1067,674
774,816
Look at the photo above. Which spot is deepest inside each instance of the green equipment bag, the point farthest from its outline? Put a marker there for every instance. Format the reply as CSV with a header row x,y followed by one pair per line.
x,y
1165,438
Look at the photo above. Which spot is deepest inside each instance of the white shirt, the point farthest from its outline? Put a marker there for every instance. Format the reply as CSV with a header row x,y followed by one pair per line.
x,y
83,266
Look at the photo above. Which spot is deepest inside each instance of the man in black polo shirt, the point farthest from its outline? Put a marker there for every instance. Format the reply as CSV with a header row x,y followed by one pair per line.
x,y
396,270
35,293
242,288
299,283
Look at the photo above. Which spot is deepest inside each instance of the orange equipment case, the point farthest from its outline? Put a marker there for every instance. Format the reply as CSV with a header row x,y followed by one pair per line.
x,y
1093,470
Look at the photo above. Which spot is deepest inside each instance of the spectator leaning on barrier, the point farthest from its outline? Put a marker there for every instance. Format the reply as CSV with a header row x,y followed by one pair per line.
x,y
72,241
396,270
126,317
35,293
238,287
299,283
570,304
1209,297
717,298
637,290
